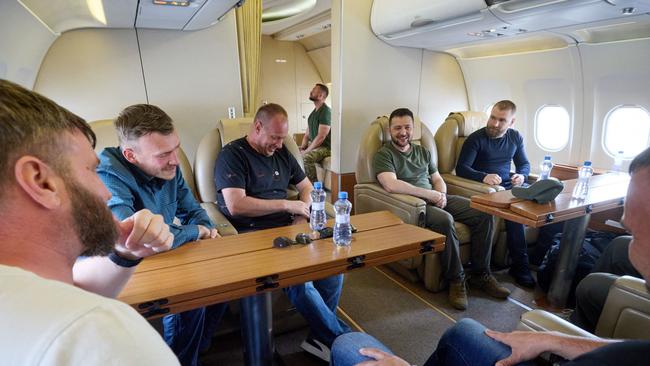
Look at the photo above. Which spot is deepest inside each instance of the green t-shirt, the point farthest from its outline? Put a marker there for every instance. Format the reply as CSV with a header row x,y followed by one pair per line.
x,y
414,166
320,116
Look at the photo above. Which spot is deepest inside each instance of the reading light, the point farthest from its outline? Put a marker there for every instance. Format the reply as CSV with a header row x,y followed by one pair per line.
x,y
172,2
628,11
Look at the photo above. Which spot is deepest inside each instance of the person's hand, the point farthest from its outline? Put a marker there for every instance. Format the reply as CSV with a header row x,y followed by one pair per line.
x,y
492,179
381,358
442,202
517,179
142,235
299,220
525,345
434,196
207,233
298,208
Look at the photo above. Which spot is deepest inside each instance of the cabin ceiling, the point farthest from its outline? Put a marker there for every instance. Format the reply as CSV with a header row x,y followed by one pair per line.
x,y
63,15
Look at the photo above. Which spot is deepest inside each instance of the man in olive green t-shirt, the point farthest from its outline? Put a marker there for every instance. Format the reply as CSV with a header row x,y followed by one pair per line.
x,y
316,144
406,168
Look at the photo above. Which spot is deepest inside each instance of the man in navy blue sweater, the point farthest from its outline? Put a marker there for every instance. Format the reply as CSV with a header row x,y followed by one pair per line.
x,y
485,157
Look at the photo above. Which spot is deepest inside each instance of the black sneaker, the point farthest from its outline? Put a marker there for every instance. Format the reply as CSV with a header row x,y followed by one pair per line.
x,y
316,348
522,276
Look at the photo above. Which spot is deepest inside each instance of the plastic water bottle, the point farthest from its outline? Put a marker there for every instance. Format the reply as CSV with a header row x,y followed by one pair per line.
x,y
317,218
545,168
342,228
582,186
618,163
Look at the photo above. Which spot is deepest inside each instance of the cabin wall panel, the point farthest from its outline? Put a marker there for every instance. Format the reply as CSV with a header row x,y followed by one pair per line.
x,y
371,79
442,89
24,41
93,72
193,76
288,83
616,73
530,80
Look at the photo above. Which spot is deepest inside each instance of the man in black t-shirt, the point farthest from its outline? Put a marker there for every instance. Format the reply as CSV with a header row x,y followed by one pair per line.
x,y
252,175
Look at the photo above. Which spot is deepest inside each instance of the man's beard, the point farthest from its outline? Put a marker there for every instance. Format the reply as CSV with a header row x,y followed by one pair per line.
x,y
400,144
92,221
313,99
492,132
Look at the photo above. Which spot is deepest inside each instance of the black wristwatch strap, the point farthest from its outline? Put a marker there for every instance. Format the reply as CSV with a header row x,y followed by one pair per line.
x,y
123,262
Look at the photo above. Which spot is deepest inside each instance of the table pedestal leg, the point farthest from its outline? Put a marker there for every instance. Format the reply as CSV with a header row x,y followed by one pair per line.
x,y
257,328
565,268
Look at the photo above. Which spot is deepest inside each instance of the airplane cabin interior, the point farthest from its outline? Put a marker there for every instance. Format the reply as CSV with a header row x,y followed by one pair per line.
x,y
576,69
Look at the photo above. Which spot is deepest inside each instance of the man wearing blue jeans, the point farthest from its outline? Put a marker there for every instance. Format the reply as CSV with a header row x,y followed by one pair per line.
x,y
252,175
143,172
470,343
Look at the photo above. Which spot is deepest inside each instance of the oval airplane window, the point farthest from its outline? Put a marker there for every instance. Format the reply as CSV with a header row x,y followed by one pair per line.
x,y
627,129
552,127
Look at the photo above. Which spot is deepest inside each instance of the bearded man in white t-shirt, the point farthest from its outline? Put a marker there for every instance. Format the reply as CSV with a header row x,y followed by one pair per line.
x,y
53,210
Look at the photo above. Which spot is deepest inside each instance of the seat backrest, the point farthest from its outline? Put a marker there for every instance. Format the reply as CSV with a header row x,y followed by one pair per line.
x,y
107,137
210,146
626,312
376,135
451,135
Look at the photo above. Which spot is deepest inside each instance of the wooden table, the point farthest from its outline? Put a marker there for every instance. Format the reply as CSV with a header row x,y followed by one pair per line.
x,y
246,265
606,192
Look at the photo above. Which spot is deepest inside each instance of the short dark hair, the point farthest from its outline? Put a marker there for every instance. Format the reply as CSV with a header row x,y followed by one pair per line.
x,y
142,119
31,124
640,161
505,105
324,89
400,112
268,111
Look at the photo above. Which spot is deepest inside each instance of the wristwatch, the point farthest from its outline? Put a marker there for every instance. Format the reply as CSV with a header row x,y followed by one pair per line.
x,y
123,262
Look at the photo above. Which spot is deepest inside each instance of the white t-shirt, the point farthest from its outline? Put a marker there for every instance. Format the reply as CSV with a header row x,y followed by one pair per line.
x,y
46,322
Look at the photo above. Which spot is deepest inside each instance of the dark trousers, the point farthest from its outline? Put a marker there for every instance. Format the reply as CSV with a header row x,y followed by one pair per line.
x,y
187,332
481,226
592,291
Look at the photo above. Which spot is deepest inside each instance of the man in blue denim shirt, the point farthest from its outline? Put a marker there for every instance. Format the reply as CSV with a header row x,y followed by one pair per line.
x,y
143,172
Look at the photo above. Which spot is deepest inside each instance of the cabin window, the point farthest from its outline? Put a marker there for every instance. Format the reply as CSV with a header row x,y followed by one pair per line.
x,y
552,127
627,129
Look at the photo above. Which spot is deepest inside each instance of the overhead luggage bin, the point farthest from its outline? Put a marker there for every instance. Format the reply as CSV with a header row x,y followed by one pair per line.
x,y
444,24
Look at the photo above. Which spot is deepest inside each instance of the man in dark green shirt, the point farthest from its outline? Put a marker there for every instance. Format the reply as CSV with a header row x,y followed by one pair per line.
x,y
407,168
316,144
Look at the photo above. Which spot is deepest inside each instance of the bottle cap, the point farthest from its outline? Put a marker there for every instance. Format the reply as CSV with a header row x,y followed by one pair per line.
x,y
547,157
318,185
343,195
587,163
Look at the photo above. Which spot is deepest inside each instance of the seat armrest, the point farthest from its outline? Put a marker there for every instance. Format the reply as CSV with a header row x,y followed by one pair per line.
x,y
543,321
218,219
626,313
467,187
371,197
532,178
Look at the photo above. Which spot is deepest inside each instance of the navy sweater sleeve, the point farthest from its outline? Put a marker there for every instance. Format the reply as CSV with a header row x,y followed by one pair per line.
x,y
522,165
466,159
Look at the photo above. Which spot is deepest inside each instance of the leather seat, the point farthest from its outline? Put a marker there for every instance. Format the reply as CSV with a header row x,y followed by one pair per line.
x,y
449,138
626,314
285,317
370,196
107,137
